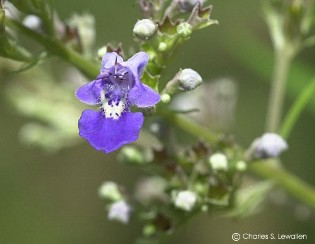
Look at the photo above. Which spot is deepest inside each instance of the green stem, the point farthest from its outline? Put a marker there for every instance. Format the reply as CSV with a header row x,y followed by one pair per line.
x,y
283,59
297,108
285,179
288,181
294,185
188,125
58,48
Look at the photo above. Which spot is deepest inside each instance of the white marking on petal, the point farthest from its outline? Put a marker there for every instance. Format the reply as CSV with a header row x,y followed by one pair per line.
x,y
113,109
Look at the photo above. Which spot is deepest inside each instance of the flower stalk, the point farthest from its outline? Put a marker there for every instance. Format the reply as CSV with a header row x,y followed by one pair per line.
x,y
283,58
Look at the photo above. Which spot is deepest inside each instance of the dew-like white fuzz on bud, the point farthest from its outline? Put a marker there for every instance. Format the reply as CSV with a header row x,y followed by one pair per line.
x,y
144,29
189,79
119,211
109,190
269,145
185,200
184,30
218,161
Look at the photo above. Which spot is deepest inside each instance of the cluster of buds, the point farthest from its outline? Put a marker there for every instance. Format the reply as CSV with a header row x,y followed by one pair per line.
x,y
199,180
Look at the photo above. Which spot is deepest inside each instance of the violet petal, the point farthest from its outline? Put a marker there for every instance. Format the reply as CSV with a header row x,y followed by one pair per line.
x,y
109,60
90,92
107,134
143,96
137,63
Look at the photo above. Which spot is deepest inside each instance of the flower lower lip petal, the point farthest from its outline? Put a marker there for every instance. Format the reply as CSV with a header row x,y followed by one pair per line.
x,y
109,134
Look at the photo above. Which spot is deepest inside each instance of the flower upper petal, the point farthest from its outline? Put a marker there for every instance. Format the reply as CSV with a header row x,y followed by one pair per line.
x,y
137,63
140,95
107,134
109,60
90,92
143,96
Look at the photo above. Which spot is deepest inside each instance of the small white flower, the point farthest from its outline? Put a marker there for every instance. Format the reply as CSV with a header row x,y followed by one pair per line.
x,y
269,145
218,161
185,200
119,211
109,190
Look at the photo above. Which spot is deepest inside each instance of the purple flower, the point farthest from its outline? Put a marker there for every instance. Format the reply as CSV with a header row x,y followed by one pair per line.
x,y
116,89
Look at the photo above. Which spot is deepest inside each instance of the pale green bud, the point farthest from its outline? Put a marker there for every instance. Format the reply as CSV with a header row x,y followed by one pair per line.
x,y
149,230
162,47
145,29
131,155
101,52
165,98
184,30
241,166
109,190
218,161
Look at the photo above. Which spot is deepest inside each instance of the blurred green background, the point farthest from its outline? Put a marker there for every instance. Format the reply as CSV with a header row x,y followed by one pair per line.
x,y
52,198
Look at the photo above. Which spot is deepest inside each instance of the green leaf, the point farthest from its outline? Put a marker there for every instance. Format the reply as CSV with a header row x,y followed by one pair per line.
x,y
151,81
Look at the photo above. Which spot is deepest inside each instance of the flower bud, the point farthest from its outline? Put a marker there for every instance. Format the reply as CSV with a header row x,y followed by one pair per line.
x,y
189,79
184,30
270,145
101,52
149,230
119,211
188,5
165,98
131,155
162,47
144,29
241,166
218,161
33,22
185,200
109,190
